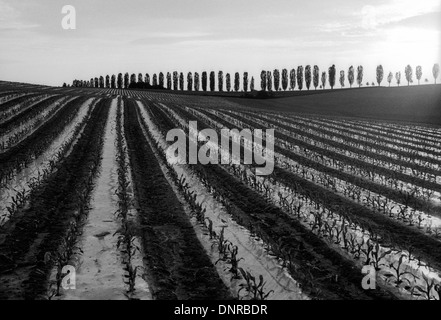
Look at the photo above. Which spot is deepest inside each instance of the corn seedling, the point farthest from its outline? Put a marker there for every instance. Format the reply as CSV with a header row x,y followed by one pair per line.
x,y
255,290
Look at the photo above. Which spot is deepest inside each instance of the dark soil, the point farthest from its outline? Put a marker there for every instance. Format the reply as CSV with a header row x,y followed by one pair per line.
x,y
40,228
177,265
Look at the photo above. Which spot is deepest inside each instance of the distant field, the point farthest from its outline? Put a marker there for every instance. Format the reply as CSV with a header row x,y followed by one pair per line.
x,y
412,104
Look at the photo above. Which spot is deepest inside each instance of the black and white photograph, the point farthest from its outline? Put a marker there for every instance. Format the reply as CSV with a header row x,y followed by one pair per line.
x,y
228,152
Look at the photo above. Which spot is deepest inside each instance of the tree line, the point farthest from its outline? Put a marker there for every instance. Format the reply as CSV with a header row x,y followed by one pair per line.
x,y
275,80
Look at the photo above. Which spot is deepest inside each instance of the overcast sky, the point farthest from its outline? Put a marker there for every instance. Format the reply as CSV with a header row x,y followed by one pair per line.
x,y
230,35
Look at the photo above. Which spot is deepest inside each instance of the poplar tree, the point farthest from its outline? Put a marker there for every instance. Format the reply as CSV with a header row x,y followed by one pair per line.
x,y
331,72
419,73
263,81
236,81
169,81
435,71
342,78
308,76
351,76
120,80
204,81
175,80
161,79
390,77
360,75
323,80
220,81
196,81
284,79
181,81
380,74
189,81
228,82
276,75
300,77
408,72
269,81
292,79
245,81
212,81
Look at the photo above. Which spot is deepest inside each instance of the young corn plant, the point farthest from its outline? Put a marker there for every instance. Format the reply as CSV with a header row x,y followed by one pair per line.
x,y
255,289
398,271
377,257
430,285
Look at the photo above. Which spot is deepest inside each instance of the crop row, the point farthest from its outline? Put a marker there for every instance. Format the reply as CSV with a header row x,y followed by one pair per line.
x,y
369,245
21,155
45,234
